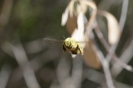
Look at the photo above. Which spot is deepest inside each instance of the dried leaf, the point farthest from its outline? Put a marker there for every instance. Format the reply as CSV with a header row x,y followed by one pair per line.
x,y
75,26
79,33
64,17
72,17
90,56
94,12
71,23
81,7
113,27
80,22
71,7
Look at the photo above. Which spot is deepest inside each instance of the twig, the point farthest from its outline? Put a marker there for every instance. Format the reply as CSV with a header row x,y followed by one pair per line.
x,y
36,63
77,71
106,4
103,41
128,53
4,75
63,70
121,25
24,64
92,75
105,65
123,14
65,79
103,61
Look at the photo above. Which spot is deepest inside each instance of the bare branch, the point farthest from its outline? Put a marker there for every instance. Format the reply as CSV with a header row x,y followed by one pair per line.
x,y
125,57
23,62
121,25
105,65
77,71
4,75
103,41
92,75
123,14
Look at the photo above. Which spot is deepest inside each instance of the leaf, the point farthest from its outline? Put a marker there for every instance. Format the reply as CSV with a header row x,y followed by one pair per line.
x,y
90,56
93,14
71,23
76,27
71,7
79,33
64,17
113,27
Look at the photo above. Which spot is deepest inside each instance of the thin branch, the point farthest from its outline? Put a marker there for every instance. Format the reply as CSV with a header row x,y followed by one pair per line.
x,y
77,71
24,64
105,65
4,75
126,56
105,44
36,63
63,70
106,4
121,25
64,78
92,75
123,14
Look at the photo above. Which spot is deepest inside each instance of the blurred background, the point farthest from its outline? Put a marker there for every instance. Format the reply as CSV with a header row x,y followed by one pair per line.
x,y
26,61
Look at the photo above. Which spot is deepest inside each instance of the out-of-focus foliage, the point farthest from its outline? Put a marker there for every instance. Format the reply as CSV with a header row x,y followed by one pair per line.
x,y
26,61
37,18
